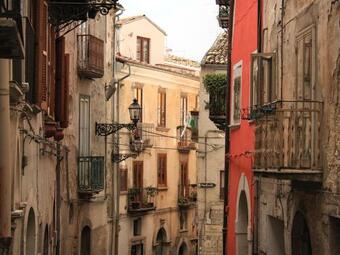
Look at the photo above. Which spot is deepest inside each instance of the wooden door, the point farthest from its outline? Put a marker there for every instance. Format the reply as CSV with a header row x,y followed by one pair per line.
x,y
184,184
138,178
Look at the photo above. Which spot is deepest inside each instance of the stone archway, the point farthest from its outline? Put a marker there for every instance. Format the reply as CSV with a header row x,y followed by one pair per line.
x,y
243,221
301,243
30,233
161,246
183,249
85,241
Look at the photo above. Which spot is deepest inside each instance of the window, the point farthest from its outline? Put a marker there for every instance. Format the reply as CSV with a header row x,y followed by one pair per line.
x,y
84,126
138,94
161,111
183,215
184,110
161,169
123,179
263,83
184,182
305,64
137,249
236,106
137,227
222,185
143,49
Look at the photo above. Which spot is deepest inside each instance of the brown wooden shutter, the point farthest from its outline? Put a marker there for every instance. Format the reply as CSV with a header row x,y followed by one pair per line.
x,y
51,70
41,56
65,110
62,83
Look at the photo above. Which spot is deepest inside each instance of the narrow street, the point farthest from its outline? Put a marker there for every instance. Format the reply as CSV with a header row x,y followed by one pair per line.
x,y
152,127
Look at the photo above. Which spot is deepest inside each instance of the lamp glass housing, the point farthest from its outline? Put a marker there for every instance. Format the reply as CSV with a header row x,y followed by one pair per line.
x,y
135,111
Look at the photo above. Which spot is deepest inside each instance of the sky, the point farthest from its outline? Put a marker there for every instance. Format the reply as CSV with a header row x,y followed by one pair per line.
x,y
191,25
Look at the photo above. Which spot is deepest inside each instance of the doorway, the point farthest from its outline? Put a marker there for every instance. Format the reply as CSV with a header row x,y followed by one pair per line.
x,y
30,233
301,243
161,248
242,225
183,249
85,245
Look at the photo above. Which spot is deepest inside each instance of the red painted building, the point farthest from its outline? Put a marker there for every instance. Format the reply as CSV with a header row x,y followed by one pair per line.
x,y
240,190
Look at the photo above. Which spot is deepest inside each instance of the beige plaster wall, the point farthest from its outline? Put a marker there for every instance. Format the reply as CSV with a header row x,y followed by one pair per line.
x,y
127,39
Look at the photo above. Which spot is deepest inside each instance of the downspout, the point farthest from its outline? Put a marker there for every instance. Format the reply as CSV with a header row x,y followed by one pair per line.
x,y
5,169
256,192
227,130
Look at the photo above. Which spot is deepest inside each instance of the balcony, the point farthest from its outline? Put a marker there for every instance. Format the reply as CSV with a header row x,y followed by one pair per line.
x,y
185,143
90,175
187,195
144,133
11,44
287,141
223,16
90,62
141,200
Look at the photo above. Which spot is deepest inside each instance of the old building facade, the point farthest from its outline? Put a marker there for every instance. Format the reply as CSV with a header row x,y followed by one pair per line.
x,y
210,158
297,139
158,187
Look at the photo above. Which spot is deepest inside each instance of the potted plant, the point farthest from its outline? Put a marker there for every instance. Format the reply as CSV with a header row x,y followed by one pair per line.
x,y
133,198
150,193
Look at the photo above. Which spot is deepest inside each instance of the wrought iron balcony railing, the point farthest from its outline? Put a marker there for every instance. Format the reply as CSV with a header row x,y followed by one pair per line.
x,y
185,143
187,195
144,134
287,136
90,175
90,61
141,200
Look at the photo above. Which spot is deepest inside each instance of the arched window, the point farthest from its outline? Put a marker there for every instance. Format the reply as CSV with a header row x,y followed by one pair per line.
x,y
161,248
30,233
85,246
183,249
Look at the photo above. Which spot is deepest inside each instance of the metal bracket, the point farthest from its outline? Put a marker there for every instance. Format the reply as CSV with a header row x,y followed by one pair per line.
x,y
117,158
105,129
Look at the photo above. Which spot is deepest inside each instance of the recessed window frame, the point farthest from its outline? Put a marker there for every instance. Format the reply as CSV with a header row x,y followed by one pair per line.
x,y
161,169
140,52
236,97
161,108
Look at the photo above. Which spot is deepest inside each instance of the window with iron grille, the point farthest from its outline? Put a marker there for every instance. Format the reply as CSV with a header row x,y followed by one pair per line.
x,y
184,110
162,169
161,111
263,83
143,49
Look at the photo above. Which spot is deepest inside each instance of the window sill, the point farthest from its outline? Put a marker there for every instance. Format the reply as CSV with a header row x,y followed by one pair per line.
x,y
183,230
162,129
123,193
162,188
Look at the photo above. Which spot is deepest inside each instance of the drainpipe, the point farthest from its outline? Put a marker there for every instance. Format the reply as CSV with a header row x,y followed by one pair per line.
x,y
227,130
5,170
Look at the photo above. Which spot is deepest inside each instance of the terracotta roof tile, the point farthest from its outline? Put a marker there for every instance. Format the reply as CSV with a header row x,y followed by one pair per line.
x,y
217,54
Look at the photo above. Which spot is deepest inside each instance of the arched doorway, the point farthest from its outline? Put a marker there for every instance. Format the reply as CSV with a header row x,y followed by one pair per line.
x,y
242,225
301,244
161,248
45,248
85,245
183,249
30,233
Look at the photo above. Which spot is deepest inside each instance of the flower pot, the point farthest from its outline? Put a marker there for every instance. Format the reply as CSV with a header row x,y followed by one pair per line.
x,y
59,134
50,129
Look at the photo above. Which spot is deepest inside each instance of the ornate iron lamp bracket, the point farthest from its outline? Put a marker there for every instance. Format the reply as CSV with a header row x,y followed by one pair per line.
x,y
117,158
105,129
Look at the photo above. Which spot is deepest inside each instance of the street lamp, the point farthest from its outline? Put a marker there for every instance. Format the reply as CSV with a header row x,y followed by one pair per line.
x,y
105,129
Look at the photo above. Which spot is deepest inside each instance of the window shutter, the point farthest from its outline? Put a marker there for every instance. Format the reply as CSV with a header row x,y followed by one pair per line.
x,y
51,70
60,80
65,93
41,78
